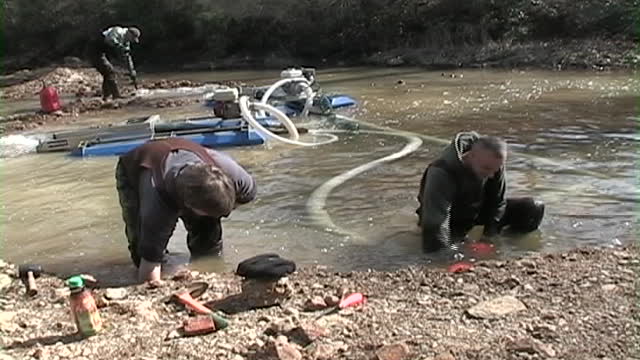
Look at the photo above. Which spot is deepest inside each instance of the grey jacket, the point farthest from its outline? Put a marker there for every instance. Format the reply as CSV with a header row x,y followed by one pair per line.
x,y
453,199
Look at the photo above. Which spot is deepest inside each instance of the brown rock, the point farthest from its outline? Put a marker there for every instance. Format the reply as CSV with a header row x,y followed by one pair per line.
x,y
544,331
173,334
5,281
444,356
155,284
280,327
64,352
183,275
307,333
328,351
314,304
61,294
6,321
324,352
398,351
41,354
332,300
101,302
496,308
282,350
199,325
144,310
317,286
531,346
115,293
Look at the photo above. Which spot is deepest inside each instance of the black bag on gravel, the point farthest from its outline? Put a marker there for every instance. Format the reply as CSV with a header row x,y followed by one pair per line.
x,y
265,266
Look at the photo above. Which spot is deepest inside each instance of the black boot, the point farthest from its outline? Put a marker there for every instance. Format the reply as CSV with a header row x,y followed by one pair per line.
x,y
522,215
105,90
112,88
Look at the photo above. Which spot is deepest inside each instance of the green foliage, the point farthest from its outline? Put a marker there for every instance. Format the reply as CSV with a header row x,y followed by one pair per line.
x,y
179,31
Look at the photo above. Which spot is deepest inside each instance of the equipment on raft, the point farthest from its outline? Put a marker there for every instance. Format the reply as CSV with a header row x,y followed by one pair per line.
x,y
229,127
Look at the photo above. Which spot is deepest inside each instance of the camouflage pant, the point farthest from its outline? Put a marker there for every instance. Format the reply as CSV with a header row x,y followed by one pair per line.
x,y
204,234
130,210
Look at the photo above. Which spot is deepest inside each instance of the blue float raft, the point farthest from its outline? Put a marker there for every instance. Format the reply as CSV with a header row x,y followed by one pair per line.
x,y
211,132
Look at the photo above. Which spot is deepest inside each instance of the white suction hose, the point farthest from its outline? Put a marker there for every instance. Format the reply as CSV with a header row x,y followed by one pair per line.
x,y
152,121
307,89
282,117
318,199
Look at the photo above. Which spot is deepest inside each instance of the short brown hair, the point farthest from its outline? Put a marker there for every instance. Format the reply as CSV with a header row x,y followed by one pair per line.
x,y
494,144
206,188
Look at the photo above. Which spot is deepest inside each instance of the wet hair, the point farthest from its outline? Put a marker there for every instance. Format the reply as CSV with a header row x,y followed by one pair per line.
x,y
206,188
494,144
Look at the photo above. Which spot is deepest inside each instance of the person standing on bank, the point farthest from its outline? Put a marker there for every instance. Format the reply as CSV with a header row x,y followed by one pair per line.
x,y
466,186
111,43
164,180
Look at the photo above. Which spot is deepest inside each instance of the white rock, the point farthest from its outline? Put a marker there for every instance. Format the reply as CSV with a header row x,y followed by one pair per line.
x,y
5,281
115,293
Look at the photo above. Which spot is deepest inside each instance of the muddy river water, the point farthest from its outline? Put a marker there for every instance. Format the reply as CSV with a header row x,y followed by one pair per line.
x,y
572,135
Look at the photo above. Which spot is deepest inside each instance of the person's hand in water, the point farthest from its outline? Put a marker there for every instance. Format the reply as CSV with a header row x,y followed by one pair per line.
x,y
483,247
454,253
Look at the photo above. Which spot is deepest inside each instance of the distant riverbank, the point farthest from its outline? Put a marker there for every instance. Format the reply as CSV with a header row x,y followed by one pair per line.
x,y
180,35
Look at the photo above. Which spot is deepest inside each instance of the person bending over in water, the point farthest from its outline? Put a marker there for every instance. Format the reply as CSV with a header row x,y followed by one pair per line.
x,y
164,180
465,187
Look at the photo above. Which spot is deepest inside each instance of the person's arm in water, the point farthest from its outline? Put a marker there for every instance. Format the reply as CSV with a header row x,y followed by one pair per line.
x,y
494,203
437,197
157,222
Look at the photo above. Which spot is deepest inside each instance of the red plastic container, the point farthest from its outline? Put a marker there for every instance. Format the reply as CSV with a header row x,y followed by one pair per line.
x,y
49,100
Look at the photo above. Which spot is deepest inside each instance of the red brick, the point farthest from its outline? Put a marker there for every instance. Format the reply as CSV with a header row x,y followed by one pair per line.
x,y
199,325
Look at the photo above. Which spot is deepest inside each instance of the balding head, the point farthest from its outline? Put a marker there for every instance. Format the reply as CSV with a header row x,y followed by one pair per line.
x,y
133,34
487,155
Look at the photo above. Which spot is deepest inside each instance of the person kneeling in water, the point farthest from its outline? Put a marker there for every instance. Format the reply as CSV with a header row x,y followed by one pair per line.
x,y
465,187
167,179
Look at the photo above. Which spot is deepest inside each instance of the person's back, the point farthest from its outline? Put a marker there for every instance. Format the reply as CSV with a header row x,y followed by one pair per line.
x,y
165,180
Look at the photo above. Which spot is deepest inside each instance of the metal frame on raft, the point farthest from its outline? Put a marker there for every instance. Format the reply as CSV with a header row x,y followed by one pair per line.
x,y
209,132
226,128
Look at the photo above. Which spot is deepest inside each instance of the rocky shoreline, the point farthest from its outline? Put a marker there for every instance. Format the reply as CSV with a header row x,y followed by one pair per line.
x,y
83,84
571,54
580,304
